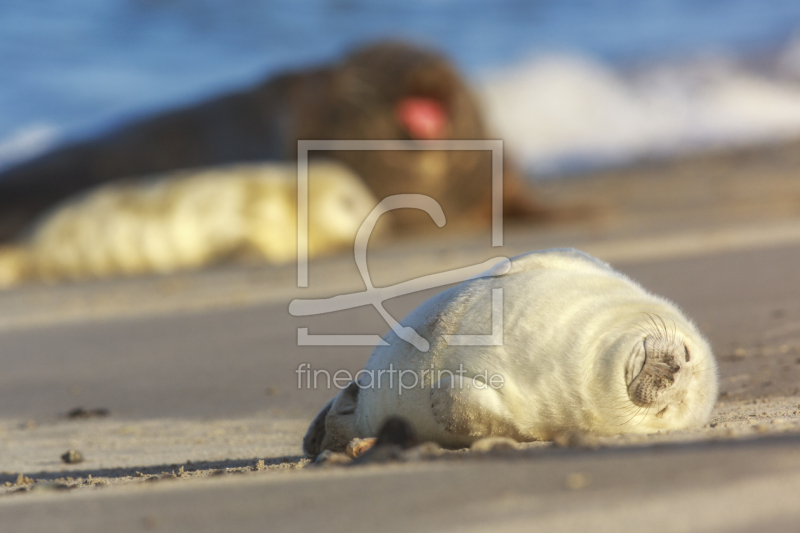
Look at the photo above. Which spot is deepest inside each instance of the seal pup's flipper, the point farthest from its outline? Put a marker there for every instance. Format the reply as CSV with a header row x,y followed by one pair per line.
x,y
312,441
334,426
471,408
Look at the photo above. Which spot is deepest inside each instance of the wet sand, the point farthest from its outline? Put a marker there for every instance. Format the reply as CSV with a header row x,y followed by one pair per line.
x,y
198,374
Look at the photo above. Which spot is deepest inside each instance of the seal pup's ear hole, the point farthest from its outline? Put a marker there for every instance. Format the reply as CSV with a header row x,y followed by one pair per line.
x,y
312,442
686,353
345,403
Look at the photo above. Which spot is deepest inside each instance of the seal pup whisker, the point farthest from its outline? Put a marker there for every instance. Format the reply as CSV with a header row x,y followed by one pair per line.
x,y
635,415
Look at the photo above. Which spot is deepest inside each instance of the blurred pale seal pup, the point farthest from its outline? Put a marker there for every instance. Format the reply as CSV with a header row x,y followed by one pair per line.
x,y
584,349
189,219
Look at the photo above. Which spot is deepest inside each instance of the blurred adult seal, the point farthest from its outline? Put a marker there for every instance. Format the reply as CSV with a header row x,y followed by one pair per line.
x,y
584,349
388,90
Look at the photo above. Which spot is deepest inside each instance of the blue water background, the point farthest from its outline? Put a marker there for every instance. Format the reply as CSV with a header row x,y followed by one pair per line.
x,y
77,66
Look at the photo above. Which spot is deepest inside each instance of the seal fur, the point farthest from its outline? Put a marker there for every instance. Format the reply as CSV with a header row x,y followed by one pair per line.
x,y
584,349
355,98
189,219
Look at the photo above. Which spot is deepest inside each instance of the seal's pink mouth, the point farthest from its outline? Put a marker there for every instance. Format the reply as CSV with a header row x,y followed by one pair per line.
x,y
422,118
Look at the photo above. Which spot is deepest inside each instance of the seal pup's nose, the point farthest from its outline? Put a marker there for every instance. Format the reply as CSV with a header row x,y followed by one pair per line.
x,y
657,372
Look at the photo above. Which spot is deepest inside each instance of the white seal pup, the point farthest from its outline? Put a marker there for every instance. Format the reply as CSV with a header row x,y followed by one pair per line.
x,y
582,349
190,219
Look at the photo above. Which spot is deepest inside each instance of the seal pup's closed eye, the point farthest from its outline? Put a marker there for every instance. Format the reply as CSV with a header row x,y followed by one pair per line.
x,y
584,349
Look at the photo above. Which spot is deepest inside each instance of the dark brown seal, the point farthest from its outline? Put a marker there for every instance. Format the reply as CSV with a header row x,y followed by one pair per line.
x,y
385,91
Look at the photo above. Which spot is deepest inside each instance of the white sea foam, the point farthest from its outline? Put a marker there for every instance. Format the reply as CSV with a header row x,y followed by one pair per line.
x,y
26,143
561,113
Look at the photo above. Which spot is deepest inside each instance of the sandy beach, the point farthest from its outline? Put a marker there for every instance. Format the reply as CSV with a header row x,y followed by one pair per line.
x,y
205,417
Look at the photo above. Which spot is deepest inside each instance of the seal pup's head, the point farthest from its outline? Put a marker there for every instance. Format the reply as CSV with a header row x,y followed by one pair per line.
x,y
670,374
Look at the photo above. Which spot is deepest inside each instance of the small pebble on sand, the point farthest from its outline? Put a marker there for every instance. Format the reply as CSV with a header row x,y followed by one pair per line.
x,y
72,457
